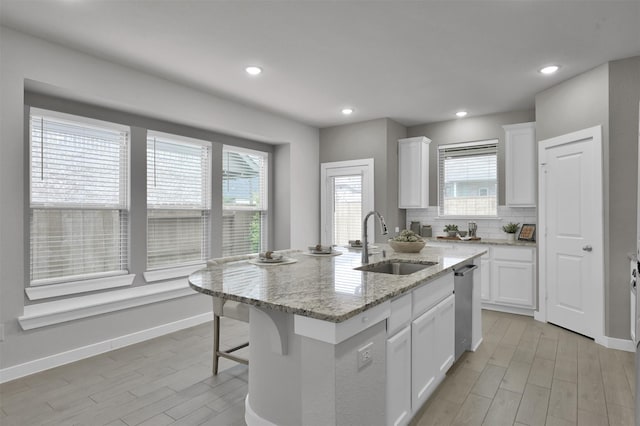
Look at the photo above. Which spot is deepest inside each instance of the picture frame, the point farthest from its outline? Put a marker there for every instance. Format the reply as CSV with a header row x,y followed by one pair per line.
x,y
527,232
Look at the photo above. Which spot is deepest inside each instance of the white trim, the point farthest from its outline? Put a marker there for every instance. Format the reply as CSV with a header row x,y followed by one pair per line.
x,y
48,313
74,287
366,166
252,418
170,273
477,345
509,309
75,119
615,343
469,217
495,142
595,133
41,364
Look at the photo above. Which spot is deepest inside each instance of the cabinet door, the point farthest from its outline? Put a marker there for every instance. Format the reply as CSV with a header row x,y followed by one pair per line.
x,y
445,334
399,377
413,172
424,362
513,283
485,280
520,165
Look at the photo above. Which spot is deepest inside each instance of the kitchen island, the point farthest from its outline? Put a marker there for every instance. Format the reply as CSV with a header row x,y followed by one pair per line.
x,y
331,344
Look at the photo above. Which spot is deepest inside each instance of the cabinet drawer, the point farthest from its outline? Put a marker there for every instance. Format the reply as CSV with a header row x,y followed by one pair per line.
x,y
430,294
511,253
400,313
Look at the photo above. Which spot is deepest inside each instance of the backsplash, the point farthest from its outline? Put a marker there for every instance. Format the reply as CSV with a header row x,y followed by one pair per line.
x,y
487,228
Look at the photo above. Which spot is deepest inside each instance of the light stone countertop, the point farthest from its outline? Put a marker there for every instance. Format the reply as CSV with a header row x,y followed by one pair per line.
x,y
325,288
490,241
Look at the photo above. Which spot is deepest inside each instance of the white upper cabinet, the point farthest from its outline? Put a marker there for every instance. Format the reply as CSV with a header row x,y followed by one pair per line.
x,y
520,164
413,173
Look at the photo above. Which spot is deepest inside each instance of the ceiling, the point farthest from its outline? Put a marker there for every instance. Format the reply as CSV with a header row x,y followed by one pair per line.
x,y
412,61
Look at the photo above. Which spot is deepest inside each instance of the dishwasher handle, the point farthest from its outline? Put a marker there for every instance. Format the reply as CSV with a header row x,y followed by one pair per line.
x,y
464,270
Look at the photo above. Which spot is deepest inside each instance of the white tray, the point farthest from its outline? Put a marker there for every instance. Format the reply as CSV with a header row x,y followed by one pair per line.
x,y
285,261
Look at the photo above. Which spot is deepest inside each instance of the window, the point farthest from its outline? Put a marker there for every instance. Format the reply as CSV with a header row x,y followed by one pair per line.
x,y
347,208
178,200
78,197
468,180
244,194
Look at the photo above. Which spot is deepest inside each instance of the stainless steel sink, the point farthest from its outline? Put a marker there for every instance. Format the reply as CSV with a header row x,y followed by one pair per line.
x,y
396,267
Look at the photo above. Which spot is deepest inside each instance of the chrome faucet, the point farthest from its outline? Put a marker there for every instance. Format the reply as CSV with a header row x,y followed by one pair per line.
x,y
383,229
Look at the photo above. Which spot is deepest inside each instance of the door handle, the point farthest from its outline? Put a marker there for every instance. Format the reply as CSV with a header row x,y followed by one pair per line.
x,y
587,248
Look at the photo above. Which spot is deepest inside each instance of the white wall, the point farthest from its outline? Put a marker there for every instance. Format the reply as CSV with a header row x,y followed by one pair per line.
x,y
89,79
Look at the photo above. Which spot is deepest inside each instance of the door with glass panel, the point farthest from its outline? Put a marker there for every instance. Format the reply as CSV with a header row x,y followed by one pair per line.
x,y
347,195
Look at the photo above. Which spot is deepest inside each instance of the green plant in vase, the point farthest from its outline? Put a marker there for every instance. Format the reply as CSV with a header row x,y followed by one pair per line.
x,y
511,229
451,230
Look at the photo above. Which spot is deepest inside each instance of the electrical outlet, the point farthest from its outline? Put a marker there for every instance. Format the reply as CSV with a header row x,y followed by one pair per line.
x,y
397,229
365,355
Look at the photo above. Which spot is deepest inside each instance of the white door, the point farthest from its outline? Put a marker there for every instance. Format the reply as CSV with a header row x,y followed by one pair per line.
x,y
571,247
424,357
445,329
513,282
346,196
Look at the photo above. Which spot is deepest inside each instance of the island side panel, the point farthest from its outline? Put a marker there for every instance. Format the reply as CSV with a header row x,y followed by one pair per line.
x,y
275,392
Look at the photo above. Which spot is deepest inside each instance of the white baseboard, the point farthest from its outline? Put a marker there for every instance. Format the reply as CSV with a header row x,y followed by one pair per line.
x,y
35,366
508,309
477,345
614,343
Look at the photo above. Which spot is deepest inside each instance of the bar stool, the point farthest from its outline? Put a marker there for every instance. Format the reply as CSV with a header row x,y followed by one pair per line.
x,y
234,310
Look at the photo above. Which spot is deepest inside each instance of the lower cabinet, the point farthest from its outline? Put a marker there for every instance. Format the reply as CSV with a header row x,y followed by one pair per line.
x,y
513,283
399,377
420,351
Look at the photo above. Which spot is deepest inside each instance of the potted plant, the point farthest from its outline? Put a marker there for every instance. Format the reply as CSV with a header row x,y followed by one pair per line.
x,y
407,242
511,229
451,230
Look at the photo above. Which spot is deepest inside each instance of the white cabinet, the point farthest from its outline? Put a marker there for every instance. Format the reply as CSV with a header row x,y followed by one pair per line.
x,y
513,283
520,165
413,172
432,349
420,346
399,377
485,274
424,363
513,279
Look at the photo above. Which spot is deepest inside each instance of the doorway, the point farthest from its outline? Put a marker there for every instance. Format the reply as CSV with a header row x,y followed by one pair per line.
x,y
571,232
346,196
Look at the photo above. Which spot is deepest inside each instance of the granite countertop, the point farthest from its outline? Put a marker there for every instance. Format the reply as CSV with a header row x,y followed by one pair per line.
x,y
490,241
323,287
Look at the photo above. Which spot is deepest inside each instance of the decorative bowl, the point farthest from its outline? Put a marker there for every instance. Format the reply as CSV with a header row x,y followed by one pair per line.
x,y
406,246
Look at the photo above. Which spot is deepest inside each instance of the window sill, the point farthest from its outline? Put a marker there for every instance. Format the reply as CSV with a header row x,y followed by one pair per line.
x,y
49,313
75,287
171,273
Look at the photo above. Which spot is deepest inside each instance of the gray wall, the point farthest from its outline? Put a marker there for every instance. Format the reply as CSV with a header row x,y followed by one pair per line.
x,y
468,130
624,96
33,63
608,95
377,139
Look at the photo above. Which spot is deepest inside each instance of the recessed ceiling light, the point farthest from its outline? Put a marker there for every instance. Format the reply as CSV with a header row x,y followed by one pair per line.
x,y
549,69
347,111
253,70
461,113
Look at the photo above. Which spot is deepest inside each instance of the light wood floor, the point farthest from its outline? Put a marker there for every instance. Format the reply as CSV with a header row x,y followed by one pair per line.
x,y
524,373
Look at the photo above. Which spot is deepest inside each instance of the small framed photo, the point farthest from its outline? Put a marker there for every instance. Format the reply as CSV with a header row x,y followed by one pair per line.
x,y
527,232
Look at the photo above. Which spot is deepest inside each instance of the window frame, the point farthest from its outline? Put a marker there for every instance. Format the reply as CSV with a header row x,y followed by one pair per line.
x,y
161,272
69,284
263,209
440,175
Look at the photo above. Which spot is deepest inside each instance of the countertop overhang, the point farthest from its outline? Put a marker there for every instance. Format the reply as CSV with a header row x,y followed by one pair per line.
x,y
327,288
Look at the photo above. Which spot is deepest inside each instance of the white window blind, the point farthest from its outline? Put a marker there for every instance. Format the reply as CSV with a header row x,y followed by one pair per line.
x,y
468,179
244,194
347,209
78,197
178,200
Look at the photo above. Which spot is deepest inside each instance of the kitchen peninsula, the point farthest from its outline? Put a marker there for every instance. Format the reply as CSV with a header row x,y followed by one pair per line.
x,y
331,344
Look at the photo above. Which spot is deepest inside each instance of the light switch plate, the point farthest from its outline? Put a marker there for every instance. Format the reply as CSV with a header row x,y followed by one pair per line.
x,y
1,332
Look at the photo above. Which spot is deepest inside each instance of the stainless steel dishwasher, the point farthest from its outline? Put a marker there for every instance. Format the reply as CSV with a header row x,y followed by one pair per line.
x,y
463,289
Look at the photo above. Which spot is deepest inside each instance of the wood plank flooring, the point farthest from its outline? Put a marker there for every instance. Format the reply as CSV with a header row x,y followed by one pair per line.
x,y
530,373
524,373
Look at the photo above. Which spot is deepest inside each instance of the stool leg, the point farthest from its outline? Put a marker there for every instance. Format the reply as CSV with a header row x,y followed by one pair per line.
x,y
216,342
